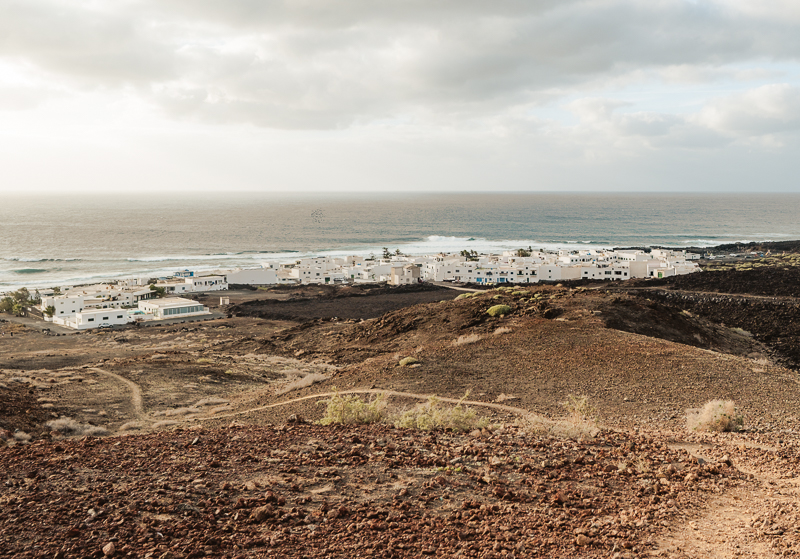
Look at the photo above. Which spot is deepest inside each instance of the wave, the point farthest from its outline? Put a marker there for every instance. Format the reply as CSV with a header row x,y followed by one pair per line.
x,y
30,271
21,259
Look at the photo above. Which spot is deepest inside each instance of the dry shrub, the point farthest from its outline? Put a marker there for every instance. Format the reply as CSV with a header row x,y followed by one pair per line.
x,y
580,422
130,426
21,436
165,423
716,415
303,382
177,411
433,415
408,361
467,339
352,410
71,428
566,428
211,402
502,330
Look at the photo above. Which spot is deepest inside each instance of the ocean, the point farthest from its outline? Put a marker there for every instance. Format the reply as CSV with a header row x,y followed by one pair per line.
x,y
49,240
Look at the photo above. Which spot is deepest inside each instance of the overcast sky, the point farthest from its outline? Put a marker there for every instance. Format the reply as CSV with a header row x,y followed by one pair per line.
x,y
561,95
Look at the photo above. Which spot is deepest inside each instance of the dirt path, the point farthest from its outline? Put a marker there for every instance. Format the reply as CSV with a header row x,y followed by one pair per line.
x,y
500,407
753,520
455,288
136,392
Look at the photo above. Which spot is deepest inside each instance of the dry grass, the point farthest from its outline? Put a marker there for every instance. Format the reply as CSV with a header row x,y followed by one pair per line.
x,y
177,411
302,382
22,436
433,415
408,361
71,428
352,410
502,330
467,339
716,415
165,423
211,402
567,428
580,423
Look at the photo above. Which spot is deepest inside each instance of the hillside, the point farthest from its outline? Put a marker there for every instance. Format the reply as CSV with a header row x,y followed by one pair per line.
x,y
214,450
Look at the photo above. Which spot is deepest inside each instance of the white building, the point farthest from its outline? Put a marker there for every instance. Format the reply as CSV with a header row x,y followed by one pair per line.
x,y
404,275
175,307
252,276
97,318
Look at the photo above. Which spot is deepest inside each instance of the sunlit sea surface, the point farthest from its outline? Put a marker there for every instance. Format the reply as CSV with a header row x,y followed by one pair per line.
x,y
67,240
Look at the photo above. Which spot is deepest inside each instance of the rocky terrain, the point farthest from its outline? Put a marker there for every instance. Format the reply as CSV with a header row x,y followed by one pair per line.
x,y
199,439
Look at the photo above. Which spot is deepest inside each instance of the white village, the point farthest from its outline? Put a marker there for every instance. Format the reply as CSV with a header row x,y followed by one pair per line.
x,y
146,300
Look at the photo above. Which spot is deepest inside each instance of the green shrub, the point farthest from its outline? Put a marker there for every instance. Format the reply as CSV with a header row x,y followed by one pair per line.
x,y
497,297
352,410
463,296
498,310
433,415
519,292
406,361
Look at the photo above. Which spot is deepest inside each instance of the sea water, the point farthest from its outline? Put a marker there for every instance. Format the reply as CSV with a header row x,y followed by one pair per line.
x,y
48,240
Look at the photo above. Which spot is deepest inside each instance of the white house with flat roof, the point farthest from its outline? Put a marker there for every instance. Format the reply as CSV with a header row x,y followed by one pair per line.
x,y
265,275
174,307
95,318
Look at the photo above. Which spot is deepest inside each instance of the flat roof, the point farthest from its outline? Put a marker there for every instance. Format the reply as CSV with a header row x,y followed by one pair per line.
x,y
171,302
101,311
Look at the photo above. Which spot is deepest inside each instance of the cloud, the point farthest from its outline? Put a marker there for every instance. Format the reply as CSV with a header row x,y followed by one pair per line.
x,y
321,64
770,109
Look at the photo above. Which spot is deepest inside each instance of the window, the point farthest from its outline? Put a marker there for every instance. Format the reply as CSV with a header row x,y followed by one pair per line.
x,y
105,318
119,316
90,320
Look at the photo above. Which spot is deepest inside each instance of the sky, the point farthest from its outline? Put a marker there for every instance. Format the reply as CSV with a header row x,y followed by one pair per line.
x,y
399,95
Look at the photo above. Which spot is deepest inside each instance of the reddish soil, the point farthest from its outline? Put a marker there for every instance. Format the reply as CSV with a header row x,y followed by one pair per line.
x,y
310,491
241,487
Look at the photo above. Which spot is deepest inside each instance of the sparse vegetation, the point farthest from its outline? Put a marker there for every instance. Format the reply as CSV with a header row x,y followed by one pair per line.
x,y
716,415
68,427
16,302
467,339
433,415
406,361
464,296
580,422
351,409
502,330
498,310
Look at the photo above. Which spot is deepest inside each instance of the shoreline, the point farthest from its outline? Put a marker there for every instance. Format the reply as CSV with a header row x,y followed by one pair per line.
x,y
255,260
